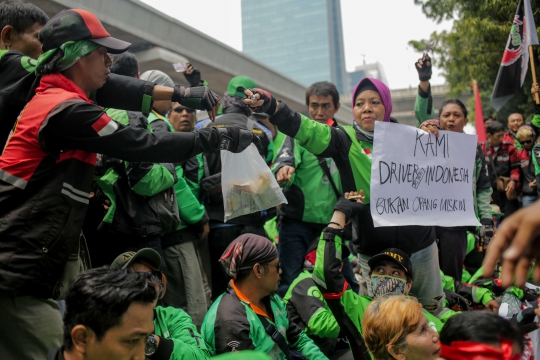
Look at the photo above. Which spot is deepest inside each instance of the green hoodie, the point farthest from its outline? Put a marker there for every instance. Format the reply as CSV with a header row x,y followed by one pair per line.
x,y
311,197
176,325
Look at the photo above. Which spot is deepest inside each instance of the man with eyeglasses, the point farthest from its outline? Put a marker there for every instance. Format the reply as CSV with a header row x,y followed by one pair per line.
x,y
249,316
311,185
175,337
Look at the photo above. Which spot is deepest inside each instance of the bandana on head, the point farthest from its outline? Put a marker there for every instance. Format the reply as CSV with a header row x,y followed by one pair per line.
x,y
246,251
468,350
387,285
73,51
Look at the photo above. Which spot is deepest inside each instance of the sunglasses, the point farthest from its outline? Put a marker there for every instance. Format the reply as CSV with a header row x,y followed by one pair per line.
x,y
181,109
525,142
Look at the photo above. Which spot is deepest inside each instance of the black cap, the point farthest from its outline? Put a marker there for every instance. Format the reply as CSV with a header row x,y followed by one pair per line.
x,y
77,24
394,255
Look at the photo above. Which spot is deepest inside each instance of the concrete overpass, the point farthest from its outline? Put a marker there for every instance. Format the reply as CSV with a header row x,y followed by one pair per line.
x,y
159,40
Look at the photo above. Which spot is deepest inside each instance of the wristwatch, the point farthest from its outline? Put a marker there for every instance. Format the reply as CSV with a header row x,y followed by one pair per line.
x,y
151,345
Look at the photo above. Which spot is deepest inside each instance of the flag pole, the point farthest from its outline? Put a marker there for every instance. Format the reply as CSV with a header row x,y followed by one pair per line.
x,y
533,70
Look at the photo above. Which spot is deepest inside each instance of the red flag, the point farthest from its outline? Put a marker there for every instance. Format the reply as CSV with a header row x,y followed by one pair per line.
x,y
479,114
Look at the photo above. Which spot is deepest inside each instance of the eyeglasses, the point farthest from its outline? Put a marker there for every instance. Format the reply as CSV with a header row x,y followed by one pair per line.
x,y
525,142
155,277
278,266
181,109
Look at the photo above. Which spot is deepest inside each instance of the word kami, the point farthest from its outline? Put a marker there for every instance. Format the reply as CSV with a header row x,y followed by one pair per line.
x,y
426,146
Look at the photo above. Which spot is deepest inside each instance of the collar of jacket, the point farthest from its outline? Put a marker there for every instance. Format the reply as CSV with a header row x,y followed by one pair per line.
x,y
235,109
57,80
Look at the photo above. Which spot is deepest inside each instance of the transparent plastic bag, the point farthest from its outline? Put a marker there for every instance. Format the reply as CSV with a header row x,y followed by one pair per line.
x,y
247,184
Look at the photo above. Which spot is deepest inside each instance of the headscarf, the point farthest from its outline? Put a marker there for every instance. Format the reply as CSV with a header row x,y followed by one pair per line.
x,y
468,350
73,51
246,251
383,91
158,78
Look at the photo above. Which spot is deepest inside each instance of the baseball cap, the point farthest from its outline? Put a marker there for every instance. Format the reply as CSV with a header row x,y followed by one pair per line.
x,y
77,24
148,255
238,84
395,255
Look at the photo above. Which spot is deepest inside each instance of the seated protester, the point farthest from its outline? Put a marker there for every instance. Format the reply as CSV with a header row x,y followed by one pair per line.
x,y
19,23
395,327
502,161
391,273
452,242
527,138
109,315
350,147
308,309
480,335
130,223
175,337
249,316
49,164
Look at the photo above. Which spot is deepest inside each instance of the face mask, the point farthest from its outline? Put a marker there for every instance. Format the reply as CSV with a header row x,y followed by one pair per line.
x,y
387,285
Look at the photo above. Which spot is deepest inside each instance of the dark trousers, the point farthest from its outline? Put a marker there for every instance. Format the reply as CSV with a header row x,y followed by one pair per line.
x,y
508,207
105,247
294,240
218,240
452,250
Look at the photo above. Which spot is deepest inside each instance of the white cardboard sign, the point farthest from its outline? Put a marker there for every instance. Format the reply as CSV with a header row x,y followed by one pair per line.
x,y
419,179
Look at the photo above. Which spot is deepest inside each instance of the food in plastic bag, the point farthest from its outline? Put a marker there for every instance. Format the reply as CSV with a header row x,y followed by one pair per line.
x,y
247,183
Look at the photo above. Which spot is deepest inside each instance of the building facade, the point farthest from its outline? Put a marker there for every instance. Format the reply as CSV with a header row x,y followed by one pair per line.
x,y
303,39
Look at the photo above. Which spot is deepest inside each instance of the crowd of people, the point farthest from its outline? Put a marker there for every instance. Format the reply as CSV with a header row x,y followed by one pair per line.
x,y
113,243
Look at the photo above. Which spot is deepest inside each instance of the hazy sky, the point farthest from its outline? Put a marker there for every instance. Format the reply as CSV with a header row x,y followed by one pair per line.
x,y
378,29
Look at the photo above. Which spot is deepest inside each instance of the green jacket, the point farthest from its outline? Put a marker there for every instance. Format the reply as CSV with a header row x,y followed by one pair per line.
x,y
424,110
351,151
278,143
347,306
176,326
128,184
232,325
310,195
192,212
308,309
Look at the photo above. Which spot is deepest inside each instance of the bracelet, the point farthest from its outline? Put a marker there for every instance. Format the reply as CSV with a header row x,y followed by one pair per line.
x,y
335,223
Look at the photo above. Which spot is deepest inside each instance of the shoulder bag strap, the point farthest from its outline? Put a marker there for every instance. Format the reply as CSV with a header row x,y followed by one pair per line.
x,y
326,171
275,335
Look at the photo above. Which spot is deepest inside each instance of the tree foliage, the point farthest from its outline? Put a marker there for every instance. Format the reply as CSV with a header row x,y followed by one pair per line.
x,y
473,49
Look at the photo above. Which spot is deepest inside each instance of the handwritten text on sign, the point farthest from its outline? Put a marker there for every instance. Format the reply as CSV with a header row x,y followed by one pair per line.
x,y
420,179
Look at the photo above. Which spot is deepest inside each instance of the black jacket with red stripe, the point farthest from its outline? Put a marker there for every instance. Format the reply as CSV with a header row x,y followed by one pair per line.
x,y
18,83
46,172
